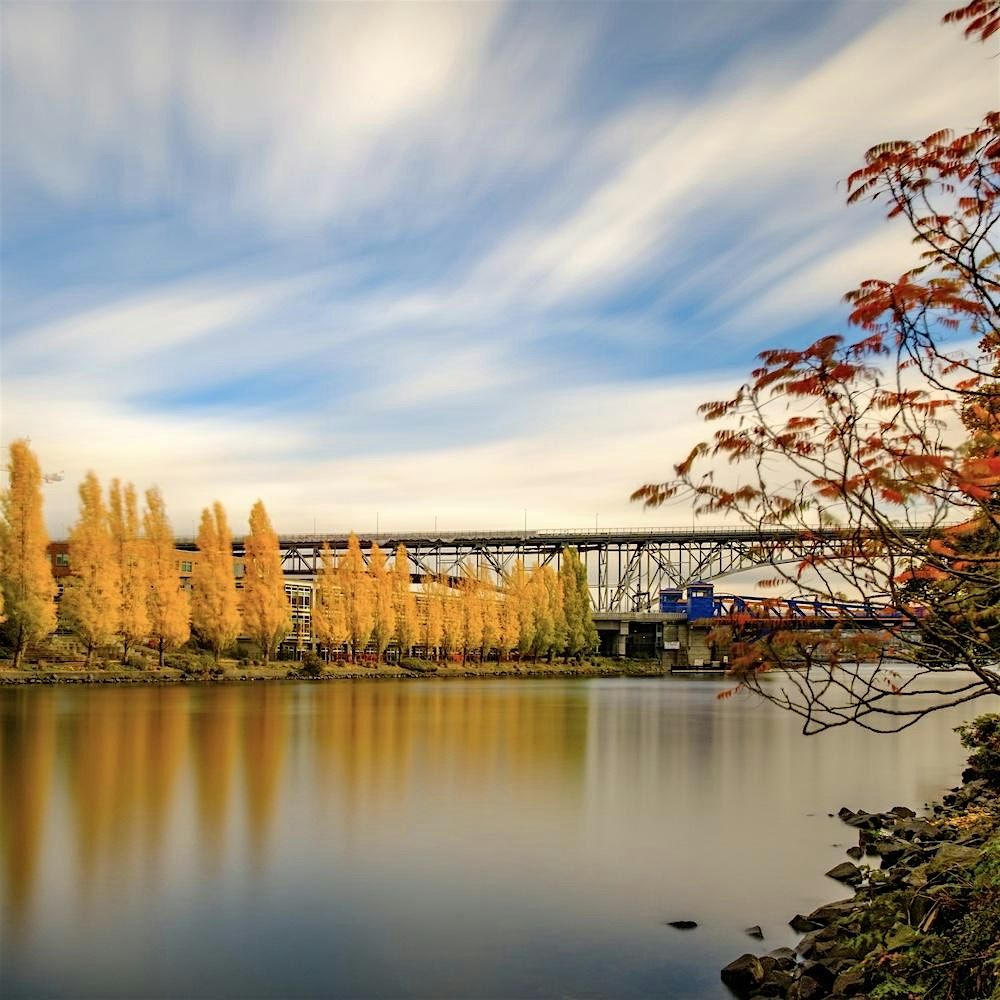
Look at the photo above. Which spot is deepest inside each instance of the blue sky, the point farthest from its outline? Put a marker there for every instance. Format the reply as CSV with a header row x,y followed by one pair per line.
x,y
432,261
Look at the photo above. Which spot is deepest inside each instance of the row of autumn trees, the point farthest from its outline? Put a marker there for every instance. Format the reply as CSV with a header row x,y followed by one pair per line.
x,y
539,613
124,589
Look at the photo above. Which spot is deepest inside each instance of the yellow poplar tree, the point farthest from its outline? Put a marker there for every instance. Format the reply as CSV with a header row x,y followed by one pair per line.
x,y
573,607
591,640
519,592
214,612
491,606
167,603
405,601
91,602
329,617
451,617
384,622
27,589
133,566
433,617
267,614
471,609
543,630
359,596
509,632
557,610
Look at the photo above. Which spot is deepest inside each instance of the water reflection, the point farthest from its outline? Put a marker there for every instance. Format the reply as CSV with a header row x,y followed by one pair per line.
x,y
508,838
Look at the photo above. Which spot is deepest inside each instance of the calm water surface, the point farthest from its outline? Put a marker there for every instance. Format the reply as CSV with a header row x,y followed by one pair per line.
x,y
422,838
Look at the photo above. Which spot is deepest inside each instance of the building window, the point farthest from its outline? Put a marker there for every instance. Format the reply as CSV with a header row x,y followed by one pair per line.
x,y
62,558
186,567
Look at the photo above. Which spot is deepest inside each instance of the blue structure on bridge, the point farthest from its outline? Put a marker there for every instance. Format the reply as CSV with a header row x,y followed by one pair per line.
x,y
699,603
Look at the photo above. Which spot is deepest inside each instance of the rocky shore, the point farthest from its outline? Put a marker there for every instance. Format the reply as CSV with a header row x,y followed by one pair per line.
x,y
924,920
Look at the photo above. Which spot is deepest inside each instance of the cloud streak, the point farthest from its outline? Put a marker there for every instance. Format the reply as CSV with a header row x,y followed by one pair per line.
x,y
406,257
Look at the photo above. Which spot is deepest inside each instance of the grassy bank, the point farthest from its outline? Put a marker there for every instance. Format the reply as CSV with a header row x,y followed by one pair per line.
x,y
196,670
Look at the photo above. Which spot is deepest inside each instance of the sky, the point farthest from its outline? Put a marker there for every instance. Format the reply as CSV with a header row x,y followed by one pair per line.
x,y
465,265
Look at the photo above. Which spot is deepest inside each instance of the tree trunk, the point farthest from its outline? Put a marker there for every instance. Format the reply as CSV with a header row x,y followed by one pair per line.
x,y
161,651
19,648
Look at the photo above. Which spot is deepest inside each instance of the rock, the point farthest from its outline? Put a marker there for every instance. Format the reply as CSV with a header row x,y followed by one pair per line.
x,y
901,936
755,932
919,828
829,912
819,971
816,942
891,850
955,856
743,975
851,983
801,924
903,812
810,989
854,852
682,925
783,958
847,872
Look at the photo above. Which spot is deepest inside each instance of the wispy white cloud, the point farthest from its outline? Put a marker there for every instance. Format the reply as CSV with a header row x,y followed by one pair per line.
x,y
483,241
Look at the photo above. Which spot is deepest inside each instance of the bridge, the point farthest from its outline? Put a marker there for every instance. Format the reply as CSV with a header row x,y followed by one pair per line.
x,y
627,567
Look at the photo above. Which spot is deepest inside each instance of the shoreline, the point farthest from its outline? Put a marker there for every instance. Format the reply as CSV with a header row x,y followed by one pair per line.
x,y
233,673
924,911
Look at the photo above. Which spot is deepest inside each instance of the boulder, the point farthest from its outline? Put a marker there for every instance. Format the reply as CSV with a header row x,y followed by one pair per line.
x,y
801,924
783,958
743,975
829,912
903,812
755,932
810,989
850,983
847,872
955,856
683,925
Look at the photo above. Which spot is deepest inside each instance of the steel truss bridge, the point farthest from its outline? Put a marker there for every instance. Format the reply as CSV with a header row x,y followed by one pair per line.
x,y
627,568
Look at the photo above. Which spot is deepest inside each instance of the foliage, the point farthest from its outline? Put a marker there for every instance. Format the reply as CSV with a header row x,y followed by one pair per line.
x,y
91,603
329,618
982,737
384,616
311,666
882,451
167,604
27,589
358,592
267,616
405,601
133,567
418,666
433,613
214,611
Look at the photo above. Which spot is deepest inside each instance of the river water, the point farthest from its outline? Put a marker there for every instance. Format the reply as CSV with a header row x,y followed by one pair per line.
x,y
421,838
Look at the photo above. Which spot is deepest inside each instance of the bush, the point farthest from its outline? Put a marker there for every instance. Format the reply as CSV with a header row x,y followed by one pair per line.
x,y
190,664
982,737
312,666
418,666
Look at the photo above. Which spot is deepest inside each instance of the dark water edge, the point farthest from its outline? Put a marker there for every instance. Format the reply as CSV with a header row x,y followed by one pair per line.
x,y
389,839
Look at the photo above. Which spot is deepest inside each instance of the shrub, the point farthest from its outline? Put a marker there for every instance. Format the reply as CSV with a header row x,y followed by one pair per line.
x,y
312,666
418,666
982,737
